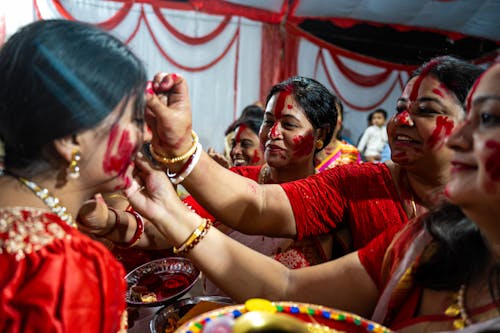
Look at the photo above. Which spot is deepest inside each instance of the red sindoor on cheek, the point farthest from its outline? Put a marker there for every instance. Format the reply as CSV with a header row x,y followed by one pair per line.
x,y
255,157
493,161
118,155
303,145
443,129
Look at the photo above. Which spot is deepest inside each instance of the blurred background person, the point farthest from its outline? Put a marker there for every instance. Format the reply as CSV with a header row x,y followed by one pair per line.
x,y
374,138
338,151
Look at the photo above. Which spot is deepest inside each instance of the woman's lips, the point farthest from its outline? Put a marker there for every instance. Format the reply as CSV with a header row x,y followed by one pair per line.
x,y
457,166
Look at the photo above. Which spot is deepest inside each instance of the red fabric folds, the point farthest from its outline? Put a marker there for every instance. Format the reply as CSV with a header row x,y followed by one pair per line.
x,y
222,7
175,63
360,79
108,24
188,39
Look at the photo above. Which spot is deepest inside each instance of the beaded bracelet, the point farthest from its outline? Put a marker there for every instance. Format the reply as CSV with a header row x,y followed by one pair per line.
x,y
137,234
194,238
177,178
166,160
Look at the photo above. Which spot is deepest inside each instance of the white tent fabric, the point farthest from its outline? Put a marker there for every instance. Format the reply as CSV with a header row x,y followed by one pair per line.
x,y
218,49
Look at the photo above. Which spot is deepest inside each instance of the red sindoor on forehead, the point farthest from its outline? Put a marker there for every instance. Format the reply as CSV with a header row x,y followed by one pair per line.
x,y
421,76
241,128
118,158
280,103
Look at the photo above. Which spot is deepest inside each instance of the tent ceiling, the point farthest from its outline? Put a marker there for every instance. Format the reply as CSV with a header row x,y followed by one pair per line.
x,y
403,31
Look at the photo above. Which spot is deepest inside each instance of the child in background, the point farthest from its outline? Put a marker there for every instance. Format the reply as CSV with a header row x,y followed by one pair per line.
x,y
374,138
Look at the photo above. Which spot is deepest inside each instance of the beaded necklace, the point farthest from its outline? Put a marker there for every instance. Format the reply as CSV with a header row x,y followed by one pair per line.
x,y
51,201
457,308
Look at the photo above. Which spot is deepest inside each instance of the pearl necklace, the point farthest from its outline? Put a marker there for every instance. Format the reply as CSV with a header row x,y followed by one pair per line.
x,y
458,308
51,201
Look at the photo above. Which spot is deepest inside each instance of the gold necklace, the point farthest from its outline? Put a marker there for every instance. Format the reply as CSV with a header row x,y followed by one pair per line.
x,y
52,202
457,308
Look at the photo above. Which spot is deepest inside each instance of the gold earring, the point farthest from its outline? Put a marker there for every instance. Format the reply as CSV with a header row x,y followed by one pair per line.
x,y
319,144
73,168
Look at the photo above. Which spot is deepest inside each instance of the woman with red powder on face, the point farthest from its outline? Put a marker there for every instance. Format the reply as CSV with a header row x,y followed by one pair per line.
x,y
438,273
364,198
288,156
72,120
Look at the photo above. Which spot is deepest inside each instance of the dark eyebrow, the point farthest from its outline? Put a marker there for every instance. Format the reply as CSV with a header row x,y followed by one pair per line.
x,y
482,99
430,99
422,99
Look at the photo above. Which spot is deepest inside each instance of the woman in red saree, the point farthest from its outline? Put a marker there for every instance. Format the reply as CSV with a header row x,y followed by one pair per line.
x,y
438,273
71,118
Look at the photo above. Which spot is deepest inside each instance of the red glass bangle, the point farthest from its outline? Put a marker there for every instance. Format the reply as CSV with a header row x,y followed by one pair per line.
x,y
138,232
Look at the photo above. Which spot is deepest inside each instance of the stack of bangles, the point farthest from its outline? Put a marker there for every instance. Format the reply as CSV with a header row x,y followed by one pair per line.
x,y
192,156
138,231
195,237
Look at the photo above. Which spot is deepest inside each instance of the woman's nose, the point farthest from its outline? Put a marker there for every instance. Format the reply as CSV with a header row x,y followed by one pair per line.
x,y
275,131
404,119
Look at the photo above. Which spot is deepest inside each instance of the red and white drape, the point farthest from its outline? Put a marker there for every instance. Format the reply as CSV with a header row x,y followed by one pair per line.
x,y
230,61
219,55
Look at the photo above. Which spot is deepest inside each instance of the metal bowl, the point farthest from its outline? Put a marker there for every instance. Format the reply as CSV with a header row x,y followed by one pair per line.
x,y
164,270
179,309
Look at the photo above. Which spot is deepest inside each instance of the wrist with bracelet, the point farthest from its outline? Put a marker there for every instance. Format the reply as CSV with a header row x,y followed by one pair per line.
x,y
138,231
194,238
173,160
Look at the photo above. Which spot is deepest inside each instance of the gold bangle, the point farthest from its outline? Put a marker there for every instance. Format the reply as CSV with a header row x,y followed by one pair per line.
x,y
193,237
166,160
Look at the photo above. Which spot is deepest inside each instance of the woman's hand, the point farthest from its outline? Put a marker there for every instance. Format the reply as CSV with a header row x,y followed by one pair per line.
x,y
95,218
152,194
219,158
168,115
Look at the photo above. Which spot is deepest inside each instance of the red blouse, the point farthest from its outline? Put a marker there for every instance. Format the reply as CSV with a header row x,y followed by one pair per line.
x,y
361,197
55,279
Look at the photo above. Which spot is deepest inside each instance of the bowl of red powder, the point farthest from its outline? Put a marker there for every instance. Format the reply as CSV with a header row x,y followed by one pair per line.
x,y
160,282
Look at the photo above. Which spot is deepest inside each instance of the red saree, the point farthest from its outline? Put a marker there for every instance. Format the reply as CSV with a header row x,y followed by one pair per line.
x,y
55,279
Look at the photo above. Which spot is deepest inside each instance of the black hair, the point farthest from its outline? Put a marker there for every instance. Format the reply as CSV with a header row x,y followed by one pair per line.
x,y
63,77
456,74
457,254
458,250
251,116
381,111
319,104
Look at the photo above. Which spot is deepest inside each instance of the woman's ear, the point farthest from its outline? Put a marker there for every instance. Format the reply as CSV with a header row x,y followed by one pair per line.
x,y
67,147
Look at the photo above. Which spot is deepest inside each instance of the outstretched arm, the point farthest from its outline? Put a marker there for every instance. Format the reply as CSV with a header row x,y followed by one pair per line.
x,y
343,283
234,200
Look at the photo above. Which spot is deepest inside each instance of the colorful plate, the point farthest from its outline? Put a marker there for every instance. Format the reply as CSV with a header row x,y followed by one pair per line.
x,y
315,318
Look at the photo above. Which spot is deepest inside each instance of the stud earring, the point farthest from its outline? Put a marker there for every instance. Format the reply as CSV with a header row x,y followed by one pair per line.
x,y
73,168
318,144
